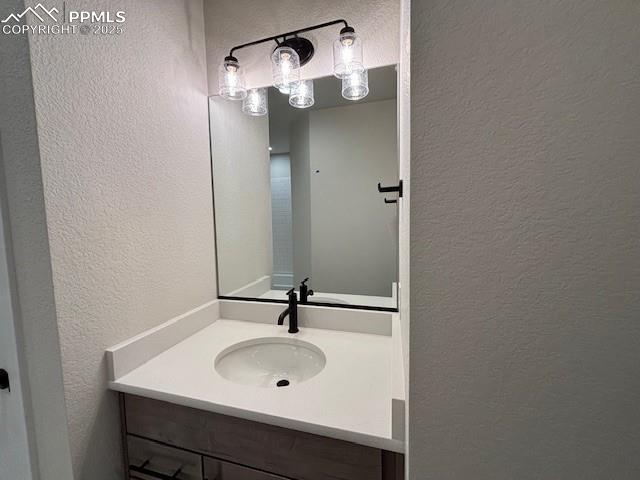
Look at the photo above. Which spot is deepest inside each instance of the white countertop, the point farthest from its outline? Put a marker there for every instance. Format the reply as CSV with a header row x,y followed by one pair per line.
x,y
350,399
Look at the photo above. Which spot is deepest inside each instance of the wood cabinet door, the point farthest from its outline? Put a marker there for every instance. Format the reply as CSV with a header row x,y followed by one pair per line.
x,y
290,453
218,470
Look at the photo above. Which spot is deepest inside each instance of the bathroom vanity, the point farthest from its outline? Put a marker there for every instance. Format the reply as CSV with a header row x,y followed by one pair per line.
x,y
295,370
202,395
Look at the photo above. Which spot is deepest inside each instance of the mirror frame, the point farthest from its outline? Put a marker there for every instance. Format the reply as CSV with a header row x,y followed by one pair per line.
x,y
284,301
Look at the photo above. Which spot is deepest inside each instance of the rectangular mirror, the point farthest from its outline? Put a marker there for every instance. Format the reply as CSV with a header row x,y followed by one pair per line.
x,y
296,196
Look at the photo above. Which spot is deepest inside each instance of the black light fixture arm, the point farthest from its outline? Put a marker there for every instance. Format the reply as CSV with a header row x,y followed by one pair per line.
x,y
283,36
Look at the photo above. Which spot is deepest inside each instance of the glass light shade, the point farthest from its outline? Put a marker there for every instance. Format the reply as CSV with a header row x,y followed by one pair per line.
x,y
301,95
231,80
255,102
355,85
285,68
347,54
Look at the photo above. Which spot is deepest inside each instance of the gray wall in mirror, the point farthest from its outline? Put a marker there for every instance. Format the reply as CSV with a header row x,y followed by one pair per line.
x,y
241,182
296,195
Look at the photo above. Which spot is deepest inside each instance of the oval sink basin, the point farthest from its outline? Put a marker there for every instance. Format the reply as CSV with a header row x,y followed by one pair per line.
x,y
270,362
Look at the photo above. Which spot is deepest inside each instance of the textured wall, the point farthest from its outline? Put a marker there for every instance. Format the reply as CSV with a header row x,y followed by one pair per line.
x,y
233,22
525,231
35,310
242,183
123,131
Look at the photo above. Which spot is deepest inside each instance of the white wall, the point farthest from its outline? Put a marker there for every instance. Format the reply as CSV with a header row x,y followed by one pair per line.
x,y
525,220
354,233
404,204
300,197
242,184
124,143
35,304
234,22
17,452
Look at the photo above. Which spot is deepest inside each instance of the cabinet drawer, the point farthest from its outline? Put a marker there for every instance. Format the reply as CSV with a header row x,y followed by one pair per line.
x,y
152,461
218,470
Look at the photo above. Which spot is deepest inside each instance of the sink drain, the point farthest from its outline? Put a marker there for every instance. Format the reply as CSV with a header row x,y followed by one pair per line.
x,y
282,383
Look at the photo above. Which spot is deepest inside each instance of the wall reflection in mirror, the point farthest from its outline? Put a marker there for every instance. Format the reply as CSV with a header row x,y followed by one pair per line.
x,y
296,195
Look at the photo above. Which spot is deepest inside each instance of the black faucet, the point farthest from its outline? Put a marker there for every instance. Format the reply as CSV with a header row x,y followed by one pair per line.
x,y
292,311
305,292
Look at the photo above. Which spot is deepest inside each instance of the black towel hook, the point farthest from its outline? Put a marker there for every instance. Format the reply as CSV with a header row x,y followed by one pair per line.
x,y
397,188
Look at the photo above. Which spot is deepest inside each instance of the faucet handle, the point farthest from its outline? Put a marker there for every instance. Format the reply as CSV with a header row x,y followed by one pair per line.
x,y
291,292
303,282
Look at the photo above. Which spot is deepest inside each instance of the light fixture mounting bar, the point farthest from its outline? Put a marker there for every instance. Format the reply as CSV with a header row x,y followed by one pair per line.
x,y
283,36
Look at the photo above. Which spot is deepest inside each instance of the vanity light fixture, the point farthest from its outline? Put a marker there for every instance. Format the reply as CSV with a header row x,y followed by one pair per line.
x,y
355,85
255,103
347,53
285,68
231,79
302,94
290,54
